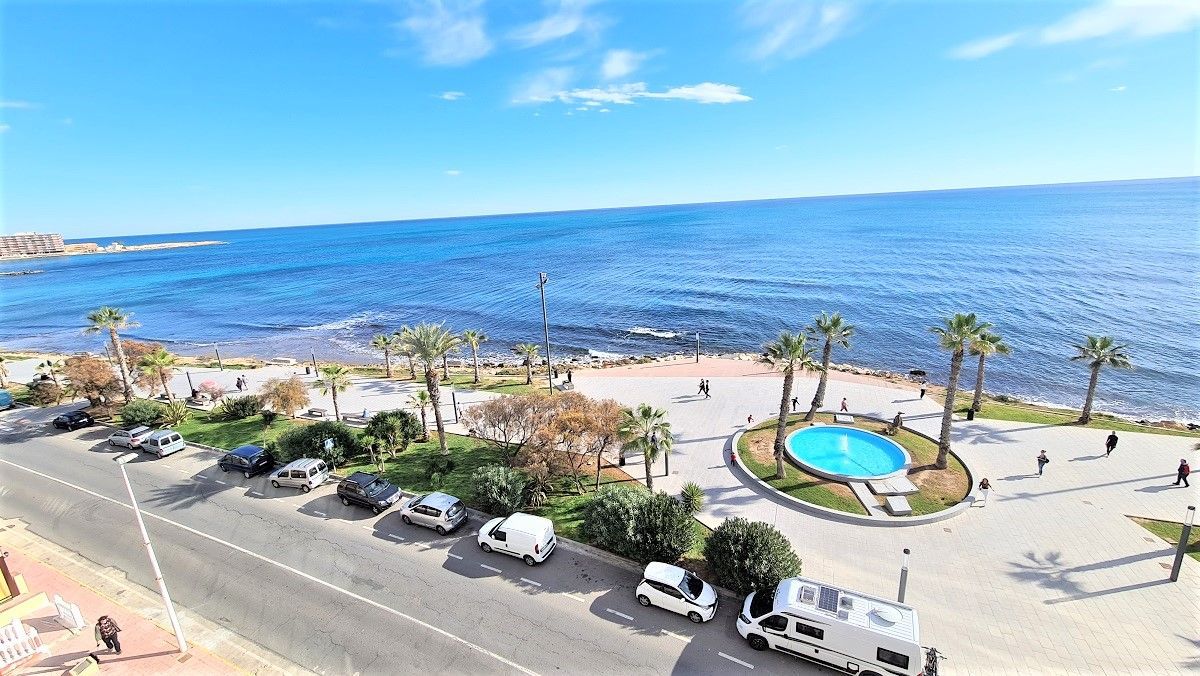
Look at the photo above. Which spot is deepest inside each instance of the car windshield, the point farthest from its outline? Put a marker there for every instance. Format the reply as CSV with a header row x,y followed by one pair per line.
x,y
376,487
417,500
692,585
763,603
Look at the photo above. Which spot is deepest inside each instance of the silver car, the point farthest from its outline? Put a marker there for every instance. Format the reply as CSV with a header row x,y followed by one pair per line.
x,y
305,474
130,438
438,511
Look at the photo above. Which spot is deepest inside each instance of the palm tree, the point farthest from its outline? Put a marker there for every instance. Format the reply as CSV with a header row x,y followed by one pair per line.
x,y
50,368
530,352
955,335
334,378
473,339
1098,352
112,319
403,348
788,352
646,431
429,343
421,401
385,344
985,345
3,372
158,364
835,332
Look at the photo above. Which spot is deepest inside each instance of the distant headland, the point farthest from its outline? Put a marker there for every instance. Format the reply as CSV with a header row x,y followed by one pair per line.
x,y
22,245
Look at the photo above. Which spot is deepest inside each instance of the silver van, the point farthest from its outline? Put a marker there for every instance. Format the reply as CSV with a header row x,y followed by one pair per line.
x,y
305,474
438,511
163,442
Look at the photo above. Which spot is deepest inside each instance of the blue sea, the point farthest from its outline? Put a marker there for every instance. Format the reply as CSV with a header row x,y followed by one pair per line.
x,y
1045,264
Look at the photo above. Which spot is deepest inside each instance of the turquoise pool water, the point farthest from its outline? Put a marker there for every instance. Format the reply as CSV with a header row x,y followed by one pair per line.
x,y
846,452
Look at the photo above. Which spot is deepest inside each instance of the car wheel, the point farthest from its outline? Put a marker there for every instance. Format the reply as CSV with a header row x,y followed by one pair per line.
x,y
345,502
246,474
376,510
405,519
695,617
274,483
528,560
757,642
644,600
487,549
440,530
305,488
223,468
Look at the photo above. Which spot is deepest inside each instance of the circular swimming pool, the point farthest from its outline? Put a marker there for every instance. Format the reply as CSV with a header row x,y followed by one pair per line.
x,y
846,453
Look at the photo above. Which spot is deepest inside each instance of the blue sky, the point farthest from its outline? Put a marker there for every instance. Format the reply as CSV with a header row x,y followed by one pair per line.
x,y
128,118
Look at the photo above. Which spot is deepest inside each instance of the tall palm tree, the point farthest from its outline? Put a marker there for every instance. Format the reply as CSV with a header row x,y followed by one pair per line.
x,y
51,368
530,352
955,335
429,343
787,353
158,364
403,348
421,401
985,345
835,332
473,339
645,430
1098,352
334,378
112,320
385,344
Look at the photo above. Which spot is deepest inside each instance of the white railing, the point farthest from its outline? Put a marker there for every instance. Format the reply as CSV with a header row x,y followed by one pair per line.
x,y
19,641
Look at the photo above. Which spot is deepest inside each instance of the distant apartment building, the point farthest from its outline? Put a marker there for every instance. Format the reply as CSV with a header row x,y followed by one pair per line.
x,y
30,244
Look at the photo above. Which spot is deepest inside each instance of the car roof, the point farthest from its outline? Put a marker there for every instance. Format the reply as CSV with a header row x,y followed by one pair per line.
x,y
302,463
159,434
528,523
664,572
439,500
246,451
361,478
71,414
136,429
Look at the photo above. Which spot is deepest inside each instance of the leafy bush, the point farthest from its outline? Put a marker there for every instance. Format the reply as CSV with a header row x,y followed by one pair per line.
x,y
537,489
142,412
93,378
308,441
438,464
45,393
174,413
692,497
749,555
237,408
609,518
395,430
268,416
662,530
499,490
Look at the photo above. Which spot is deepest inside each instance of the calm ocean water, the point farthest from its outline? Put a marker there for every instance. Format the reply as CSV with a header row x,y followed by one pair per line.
x,y
1045,264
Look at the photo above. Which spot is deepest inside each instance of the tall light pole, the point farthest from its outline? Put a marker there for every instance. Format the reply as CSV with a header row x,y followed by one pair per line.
x,y
697,347
903,576
1183,542
220,365
162,584
542,279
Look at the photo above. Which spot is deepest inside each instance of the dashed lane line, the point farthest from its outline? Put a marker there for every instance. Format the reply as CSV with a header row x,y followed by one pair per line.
x,y
319,513
396,537
528,581
367,527
734,659
221,482
575,597
677,636
311,578
257,494
619,614
494,570
454,556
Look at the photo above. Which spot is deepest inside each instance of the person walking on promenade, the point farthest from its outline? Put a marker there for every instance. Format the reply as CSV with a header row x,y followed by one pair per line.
x,y
702,388
795,403
1183,472
845,405
106,631
568,375
707,384
749,420
924,384
1042,461
1110,443
986,487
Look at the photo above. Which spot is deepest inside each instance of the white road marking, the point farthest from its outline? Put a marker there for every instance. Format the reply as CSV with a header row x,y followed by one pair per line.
x,y
257,494
319,513
367,527
528,581
454,556
283,566
494,570
422,545
734,659
394,536
674,635
610,610
574,597
220,482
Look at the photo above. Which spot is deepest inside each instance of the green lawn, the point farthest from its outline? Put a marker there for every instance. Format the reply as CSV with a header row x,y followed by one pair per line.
x,y
199,428
796,482
466,381
1044,415
20,393
1171,531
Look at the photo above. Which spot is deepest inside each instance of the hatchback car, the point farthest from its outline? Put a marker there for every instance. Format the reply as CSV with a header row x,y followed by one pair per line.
x,y
438,511
73,420
129,438
367,490
677,590
305,474
249,460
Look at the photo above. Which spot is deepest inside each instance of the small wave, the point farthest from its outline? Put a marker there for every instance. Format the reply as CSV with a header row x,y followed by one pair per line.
x,y
369,319
600,354
657,333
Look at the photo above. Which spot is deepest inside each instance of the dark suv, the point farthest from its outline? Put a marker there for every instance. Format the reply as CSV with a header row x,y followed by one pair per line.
x,y
249,460
73,420
369,491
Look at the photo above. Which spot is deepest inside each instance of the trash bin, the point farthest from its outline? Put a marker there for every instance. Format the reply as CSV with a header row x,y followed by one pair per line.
x,y
970,414
308,370
621,460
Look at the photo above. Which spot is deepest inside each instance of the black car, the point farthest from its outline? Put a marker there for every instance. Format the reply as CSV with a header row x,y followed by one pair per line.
x,y
369,491
249,460
74,420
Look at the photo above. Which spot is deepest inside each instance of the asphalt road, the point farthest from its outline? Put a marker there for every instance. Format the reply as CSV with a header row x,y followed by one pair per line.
x,y
338,590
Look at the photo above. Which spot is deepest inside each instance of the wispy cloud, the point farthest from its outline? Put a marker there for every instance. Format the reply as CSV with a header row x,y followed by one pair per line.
x,y
543,86
787,29
619,63
627,94
453,172
1129,19
26,105
4,127
1118,88
449,32
564,18
451,96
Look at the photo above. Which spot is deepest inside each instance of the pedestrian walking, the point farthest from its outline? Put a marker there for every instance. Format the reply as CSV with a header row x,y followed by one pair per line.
x,y
750,419
568,375
924,384
1183,472
1042,461
795,403
985,486
555,372
707,394
845,405
1110,443
106,632
701,390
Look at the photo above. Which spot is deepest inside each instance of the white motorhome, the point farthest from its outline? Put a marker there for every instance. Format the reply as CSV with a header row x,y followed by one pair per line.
x,y
840,628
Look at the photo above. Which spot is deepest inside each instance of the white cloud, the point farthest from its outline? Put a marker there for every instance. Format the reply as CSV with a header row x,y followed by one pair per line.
x,y
449,32
604,110
788,29
451,96
1130,19
4,127
453,172
543,86
626,94
1118,88
566,17
18,104
619,63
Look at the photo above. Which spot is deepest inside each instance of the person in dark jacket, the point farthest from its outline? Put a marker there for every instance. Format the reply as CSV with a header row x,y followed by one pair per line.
x,y
106,631
1110,443
1183,472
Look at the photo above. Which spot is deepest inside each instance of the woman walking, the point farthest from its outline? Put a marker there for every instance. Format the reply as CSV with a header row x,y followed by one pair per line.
x,y
106,632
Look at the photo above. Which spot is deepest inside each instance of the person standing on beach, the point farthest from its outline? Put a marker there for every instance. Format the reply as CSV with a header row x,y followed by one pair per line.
x,y
1182,473
845,405
1042,461
106,632
1110,443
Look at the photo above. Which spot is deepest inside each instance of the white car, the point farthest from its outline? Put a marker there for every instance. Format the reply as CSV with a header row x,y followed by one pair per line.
x,y
130,438
677,590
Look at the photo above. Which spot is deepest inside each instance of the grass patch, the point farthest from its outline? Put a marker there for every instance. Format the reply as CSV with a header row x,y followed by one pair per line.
x,y
1171,532
466,381
755,451
200,428
20,393
1013,411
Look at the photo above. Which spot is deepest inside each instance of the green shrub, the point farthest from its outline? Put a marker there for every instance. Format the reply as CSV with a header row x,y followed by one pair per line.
x,y
268,416
174,413
237,408
395,430
141,412
608,519
662,530
438,464
692,497
308,441
499,490
750,555
537,489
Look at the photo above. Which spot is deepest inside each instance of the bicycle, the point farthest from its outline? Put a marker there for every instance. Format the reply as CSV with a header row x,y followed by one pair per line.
x,y
931,660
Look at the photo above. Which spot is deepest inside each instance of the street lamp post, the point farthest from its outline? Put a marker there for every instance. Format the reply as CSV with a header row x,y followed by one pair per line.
x,y
158,577
542,279
697,347
316,373
219,364
1183,542
903,577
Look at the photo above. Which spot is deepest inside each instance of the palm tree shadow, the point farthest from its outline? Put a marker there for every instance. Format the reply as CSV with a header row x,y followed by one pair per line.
x,y
184,495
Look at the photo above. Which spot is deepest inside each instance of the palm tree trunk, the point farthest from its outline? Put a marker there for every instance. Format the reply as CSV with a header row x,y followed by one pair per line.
x,y
781,426
120,350
162,376
649,474
977,403
412,367
445,368
387,360
424,426
1086,417
599,456
819,397
528,371
336,414
948,410
431,383
475,359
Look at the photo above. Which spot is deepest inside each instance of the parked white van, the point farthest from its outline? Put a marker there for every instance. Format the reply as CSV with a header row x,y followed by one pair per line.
x,y
304,473
163,442
843,629
525,536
